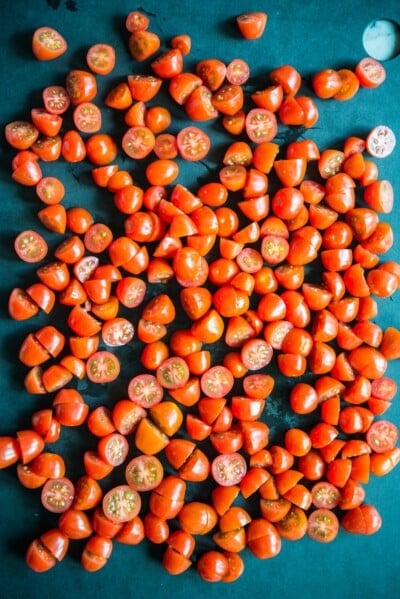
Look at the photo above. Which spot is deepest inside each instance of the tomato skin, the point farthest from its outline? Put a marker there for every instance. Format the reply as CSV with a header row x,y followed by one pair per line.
x,y
38,557
96,553
197,518
263,539
168,64
88,493
252,24
364,520
101,149
81,86
212,566
326,83
56,542
132,532
10,451
28,174
75,524
143,44
168,498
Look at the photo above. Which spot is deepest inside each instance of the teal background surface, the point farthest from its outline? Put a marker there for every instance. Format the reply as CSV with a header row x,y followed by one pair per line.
x,y
310,35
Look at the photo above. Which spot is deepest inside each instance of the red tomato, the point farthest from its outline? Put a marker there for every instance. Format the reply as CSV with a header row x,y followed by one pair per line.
x,y
102,367
48,44
87,117
382,435
38,557
121,504
48,124
81,86
138,142
323,525
113,448
144,473
370,72
256,354
228,469
100,59
136,21
363,520
326,83
145,390
252,24
193,143
56,99
30,246
261,125
57,494
217,382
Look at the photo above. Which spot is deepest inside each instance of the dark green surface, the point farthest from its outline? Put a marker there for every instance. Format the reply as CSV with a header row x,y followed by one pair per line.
x,y
310,35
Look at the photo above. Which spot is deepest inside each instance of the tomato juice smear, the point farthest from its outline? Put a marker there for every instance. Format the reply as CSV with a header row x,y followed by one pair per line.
x,y
369,364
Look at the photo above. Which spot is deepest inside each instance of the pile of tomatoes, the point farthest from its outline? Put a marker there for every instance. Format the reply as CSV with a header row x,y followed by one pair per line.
x,y
274,267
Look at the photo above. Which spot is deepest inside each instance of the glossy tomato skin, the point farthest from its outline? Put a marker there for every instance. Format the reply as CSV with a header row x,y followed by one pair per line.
x,y
9,451
38,557
364,520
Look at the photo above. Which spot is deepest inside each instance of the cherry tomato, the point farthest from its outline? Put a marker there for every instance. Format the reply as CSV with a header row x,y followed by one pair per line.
x,y
370,72
87,117
101,149
380,141
48,44
261,125
30,246
38,557
121,503
56,99
252,24
145,390
364,520
100,59
102,367
323,525
326,83
382,435
144,473
57,494
193,143
228,469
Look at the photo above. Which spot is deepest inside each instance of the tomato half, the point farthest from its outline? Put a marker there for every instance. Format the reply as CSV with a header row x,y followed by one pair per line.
x,y
48,44
30,246
144,473
57,494
193,143
102,367
228,469
121,503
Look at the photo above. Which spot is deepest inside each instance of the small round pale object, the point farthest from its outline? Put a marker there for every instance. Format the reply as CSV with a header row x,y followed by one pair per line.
x,y
380,141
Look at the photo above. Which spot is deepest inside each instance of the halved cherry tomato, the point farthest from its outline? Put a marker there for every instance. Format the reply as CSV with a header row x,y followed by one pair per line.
x,y
100,58
252,24
48,44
